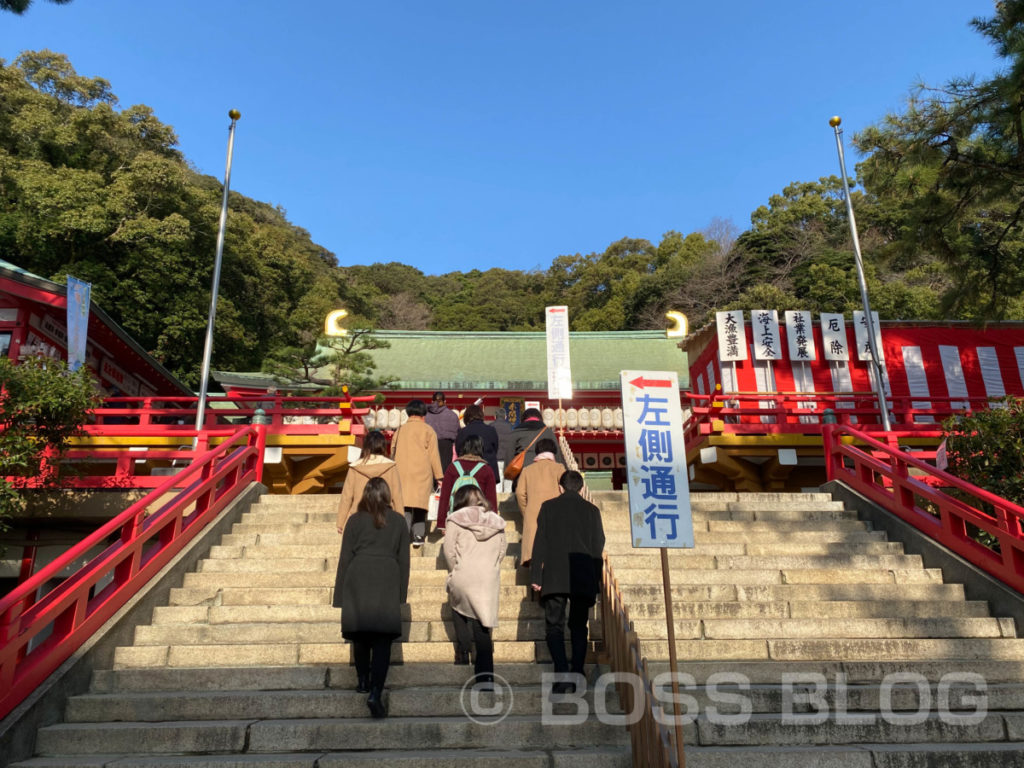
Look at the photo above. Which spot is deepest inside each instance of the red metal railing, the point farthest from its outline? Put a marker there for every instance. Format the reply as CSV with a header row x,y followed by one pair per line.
x,y
979,526
759,413
170,415
39,631
137,441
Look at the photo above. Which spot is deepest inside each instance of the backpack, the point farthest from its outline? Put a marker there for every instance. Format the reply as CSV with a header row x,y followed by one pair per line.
x,y
464,478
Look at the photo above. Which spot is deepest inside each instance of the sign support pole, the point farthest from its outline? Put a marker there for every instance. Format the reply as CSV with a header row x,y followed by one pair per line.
x,y
673,663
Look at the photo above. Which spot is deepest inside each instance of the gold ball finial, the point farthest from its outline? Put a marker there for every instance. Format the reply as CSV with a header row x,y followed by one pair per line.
x,y
835,120
234,114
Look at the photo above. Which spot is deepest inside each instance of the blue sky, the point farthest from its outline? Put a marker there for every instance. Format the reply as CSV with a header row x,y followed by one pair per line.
x,y
462,135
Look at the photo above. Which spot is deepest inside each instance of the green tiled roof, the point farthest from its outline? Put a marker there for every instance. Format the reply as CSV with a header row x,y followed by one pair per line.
x,y
454,360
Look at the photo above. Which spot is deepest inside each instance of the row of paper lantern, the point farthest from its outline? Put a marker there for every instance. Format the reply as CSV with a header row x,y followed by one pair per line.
x,y
560,418
583,418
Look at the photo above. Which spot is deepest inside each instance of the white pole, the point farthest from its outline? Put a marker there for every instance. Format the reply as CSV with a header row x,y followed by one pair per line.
x,y
876,364
234,114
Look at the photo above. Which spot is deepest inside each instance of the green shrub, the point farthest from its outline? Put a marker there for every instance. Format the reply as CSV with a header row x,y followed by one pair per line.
x,y
986,448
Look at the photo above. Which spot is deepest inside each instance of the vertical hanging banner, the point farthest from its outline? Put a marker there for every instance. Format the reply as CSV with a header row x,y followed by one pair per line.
x,y
833,336
658,483
559,372
800,336
732,336
860,327
767,344
79,294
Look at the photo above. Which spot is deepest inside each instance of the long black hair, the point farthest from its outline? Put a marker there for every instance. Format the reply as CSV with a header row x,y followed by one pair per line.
x,y
375,444
376,501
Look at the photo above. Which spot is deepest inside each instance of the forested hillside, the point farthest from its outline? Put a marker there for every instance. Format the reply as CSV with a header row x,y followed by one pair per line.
x,y
102,192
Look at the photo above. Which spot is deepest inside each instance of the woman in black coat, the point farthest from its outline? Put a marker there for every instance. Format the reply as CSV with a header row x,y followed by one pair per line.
x,y
475,425
371,584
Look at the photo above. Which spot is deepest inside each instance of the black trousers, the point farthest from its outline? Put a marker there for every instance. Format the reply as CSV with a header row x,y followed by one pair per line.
x,y
469,633
416,519
554,620
445,448
372,652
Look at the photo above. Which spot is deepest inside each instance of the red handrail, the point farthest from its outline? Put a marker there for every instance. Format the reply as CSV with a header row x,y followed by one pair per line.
x,y
145,543
911,489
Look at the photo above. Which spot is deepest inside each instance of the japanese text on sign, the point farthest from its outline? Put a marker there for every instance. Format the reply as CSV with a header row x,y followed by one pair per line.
x,y
658,484
860,326
800,335
559,370
767,344
732,336
833,336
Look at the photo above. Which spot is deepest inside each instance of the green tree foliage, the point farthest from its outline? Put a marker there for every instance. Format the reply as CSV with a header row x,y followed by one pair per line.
x,y
952,168
20,6
986,448
42,406
349,362
798,250
104,194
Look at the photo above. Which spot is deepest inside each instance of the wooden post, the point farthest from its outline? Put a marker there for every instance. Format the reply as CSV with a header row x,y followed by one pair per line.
x,y
673,665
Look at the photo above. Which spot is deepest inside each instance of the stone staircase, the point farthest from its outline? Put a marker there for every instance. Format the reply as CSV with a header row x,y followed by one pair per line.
x,y
791,618
246,667
810,640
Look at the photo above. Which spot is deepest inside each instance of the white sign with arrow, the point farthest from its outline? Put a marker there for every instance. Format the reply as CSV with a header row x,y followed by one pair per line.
x,y
659,487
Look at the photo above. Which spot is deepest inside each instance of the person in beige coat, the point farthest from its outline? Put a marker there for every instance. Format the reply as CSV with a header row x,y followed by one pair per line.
x,y
414,448
373,462
474,545
537,483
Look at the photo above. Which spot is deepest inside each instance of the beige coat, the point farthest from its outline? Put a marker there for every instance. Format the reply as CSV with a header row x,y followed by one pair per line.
x,y
537,484
359,475
474,545
414,447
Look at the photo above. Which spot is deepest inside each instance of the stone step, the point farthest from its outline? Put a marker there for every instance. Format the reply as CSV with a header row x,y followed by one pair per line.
x,y
285,654
592,757
289,612
837,697
760,537
620,519
696,672
330,632
792,576
427,701
207,591
319,735
761,628
761,730
612,516
867,755
727,497
423,566
865,649
233,575
618,548
203,590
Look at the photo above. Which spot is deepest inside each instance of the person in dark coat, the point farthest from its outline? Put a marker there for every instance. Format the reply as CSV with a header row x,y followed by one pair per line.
x,y
523,435
371,584
445,422
504,430
566,569
474,418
